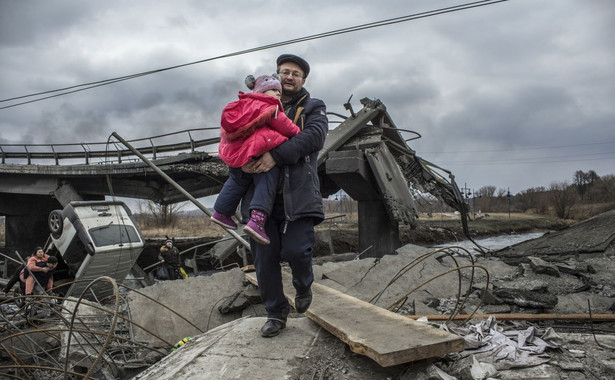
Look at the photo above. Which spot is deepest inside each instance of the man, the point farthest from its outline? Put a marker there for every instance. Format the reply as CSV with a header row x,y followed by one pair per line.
x,y
169,256
298,206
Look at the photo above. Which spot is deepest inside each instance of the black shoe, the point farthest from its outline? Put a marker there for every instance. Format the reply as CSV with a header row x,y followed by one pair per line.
x,y
303,301
272,328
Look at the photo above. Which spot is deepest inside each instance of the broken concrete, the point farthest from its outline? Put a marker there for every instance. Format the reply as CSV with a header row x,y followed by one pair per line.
x,y
385,281
193,300
415,280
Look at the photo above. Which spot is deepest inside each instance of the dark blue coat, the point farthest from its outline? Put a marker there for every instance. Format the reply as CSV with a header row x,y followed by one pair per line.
x,y
299,158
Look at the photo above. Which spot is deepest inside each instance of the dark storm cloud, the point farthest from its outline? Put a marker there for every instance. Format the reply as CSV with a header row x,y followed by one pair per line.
x,y
520,74
35,22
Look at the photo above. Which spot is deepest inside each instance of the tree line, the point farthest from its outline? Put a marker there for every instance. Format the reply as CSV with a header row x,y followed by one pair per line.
x,y
586,195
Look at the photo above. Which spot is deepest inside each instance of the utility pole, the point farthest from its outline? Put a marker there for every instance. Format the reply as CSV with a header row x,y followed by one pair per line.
x,y
465,193
508,195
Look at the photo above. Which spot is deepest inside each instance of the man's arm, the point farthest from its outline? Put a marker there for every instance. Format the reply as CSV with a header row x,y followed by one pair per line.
x,y
310,140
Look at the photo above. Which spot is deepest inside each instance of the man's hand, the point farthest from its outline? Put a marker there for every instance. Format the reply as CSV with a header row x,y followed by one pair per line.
x,y
264,163
249,167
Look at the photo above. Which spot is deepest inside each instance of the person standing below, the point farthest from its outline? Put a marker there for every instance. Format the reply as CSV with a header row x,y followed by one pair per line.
x,y
39,256
169,257
251,126
298,206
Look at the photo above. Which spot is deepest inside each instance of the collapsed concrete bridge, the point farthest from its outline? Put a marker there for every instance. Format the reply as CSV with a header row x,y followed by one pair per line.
x,y
366,156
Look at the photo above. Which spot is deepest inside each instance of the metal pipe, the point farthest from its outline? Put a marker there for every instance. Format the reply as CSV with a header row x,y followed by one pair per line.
x,y
177,186
524,317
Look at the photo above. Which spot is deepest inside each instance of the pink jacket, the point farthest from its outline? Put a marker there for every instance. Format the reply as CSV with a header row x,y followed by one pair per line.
x,y
251,126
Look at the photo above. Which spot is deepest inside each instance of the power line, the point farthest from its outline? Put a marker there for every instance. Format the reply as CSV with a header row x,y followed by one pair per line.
x,y
375,24
518,149
532,161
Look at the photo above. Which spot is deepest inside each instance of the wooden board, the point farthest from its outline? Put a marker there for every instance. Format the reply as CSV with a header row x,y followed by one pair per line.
x,y
387,338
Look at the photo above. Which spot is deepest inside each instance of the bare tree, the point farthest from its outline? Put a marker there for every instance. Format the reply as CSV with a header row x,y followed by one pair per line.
x,y
603,190
487,191
532,199
563,197
485,199
163,215
584,181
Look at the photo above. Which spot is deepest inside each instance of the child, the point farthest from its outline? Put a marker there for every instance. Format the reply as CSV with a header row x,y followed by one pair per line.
x,y
251,126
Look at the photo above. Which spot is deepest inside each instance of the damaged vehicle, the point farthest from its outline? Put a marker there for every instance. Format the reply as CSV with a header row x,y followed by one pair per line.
x,y
93,239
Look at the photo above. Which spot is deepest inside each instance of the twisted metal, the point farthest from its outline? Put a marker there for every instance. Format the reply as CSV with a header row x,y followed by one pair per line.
x,y
460,300
30,360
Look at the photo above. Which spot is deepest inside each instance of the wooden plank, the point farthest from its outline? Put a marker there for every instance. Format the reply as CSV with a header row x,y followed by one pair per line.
x,y
387,338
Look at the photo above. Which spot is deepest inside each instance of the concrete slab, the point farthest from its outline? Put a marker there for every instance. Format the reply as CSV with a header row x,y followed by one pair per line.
x,y
196,299
237,351
367,278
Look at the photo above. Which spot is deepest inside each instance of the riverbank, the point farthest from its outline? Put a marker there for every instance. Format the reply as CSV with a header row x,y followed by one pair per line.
x,y
341,235
445,228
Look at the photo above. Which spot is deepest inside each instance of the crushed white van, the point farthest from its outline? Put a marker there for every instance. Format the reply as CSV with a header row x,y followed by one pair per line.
x,y
93,239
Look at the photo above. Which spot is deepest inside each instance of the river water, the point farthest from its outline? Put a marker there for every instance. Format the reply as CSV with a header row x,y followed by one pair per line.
x,y
494,243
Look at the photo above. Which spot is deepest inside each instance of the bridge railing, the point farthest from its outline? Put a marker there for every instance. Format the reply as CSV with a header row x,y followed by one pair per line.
x,y
111,151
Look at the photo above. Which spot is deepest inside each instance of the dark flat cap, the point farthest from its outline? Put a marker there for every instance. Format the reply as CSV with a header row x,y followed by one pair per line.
x,y
295,59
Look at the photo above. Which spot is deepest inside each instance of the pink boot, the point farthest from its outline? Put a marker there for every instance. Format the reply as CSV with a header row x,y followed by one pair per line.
x,y
223,220
256,227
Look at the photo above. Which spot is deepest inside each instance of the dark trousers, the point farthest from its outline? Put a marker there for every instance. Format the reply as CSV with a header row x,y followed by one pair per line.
x,y
294,245
14,279
238,182
174,273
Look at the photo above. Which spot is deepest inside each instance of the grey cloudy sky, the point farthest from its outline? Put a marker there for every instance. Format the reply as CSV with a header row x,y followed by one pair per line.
x,y
515,95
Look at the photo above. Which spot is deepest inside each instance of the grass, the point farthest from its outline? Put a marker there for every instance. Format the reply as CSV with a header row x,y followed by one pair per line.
x,y
434,229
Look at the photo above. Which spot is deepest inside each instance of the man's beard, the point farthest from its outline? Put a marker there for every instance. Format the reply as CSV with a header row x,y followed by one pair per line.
x,y
289,94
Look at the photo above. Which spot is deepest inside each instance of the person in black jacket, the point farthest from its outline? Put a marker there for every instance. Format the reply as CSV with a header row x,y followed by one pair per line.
x,y
298,206
170,258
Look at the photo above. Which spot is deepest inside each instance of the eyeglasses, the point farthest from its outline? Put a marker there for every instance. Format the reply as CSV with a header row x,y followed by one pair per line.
x,y
295,74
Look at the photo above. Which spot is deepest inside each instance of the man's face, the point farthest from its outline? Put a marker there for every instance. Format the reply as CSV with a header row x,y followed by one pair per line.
x,y
292,77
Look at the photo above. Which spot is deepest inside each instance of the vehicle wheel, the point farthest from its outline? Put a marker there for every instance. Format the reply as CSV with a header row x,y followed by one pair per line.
x,y
56,223
17,293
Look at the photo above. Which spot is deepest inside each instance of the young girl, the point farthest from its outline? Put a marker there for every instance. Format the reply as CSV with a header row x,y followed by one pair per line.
x,y
251,126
